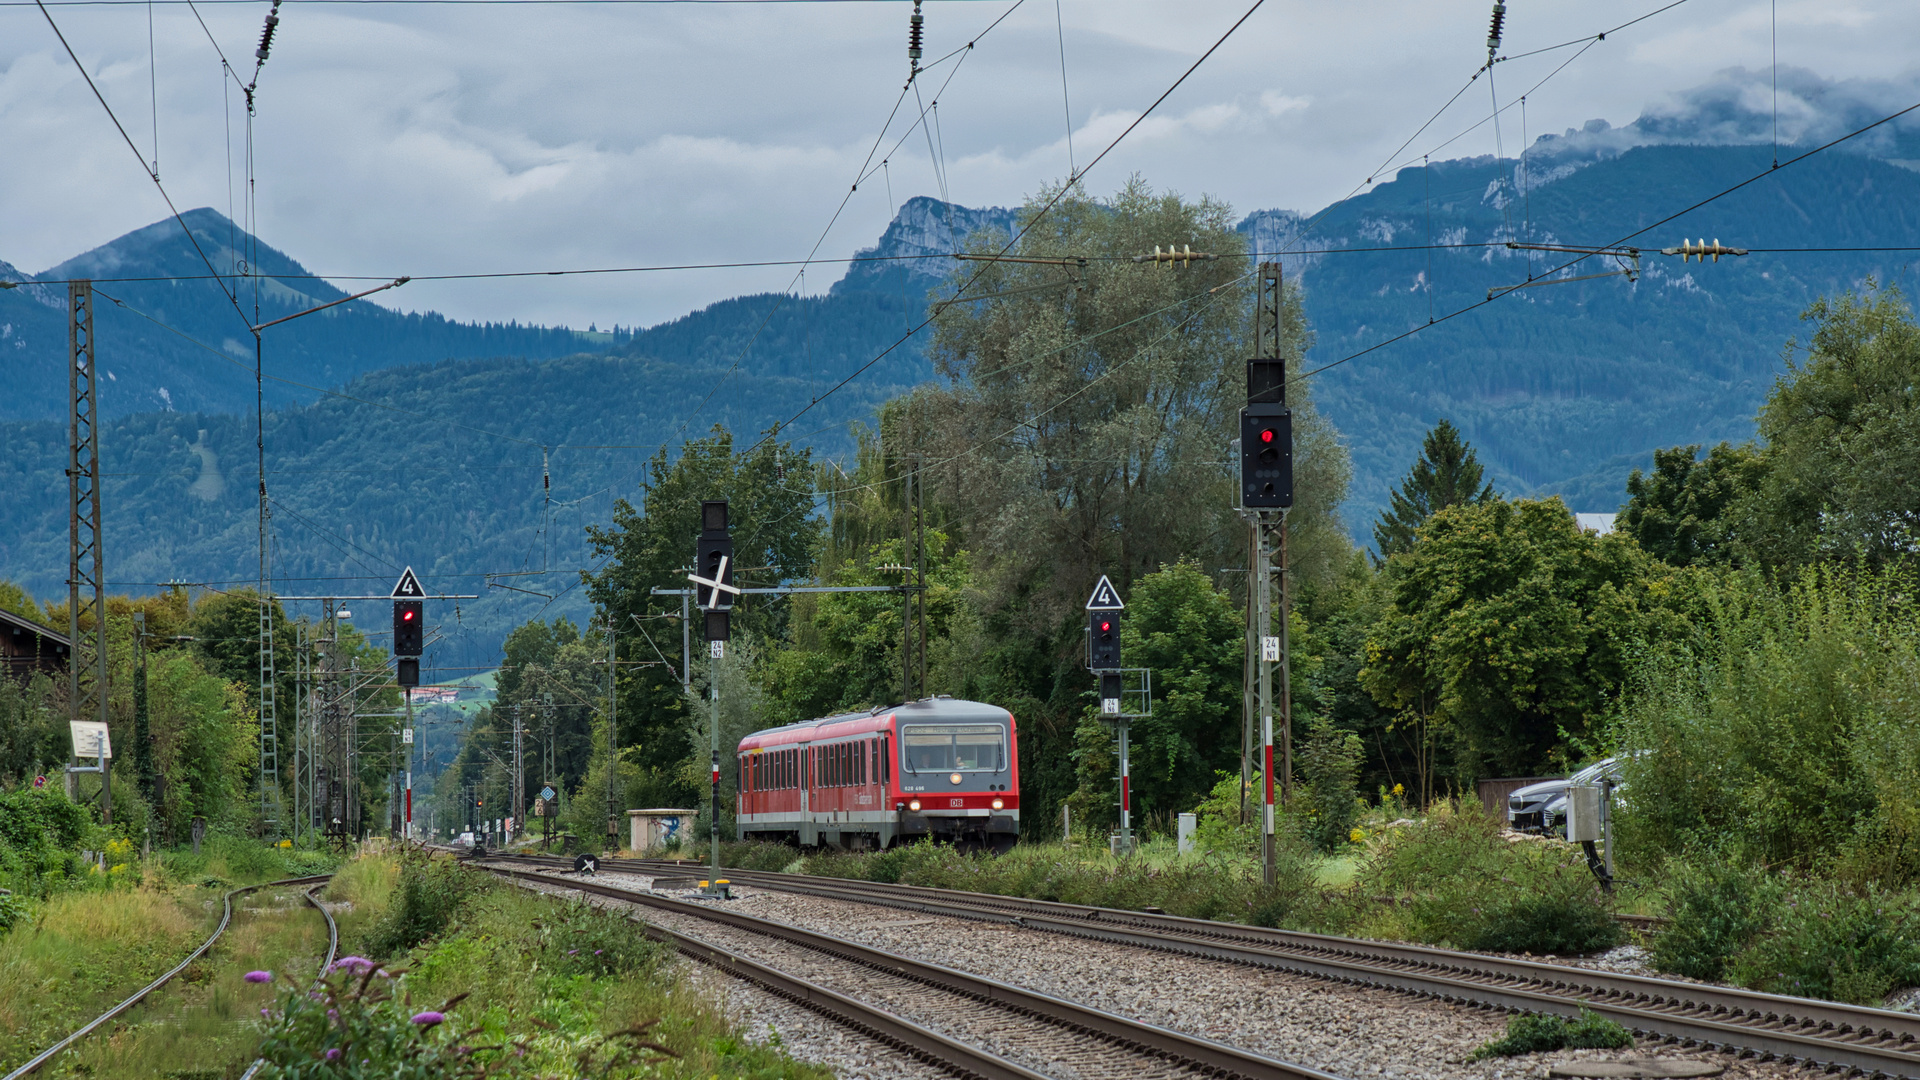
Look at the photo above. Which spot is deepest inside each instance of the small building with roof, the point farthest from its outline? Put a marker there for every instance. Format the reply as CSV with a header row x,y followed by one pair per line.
x,y
28,647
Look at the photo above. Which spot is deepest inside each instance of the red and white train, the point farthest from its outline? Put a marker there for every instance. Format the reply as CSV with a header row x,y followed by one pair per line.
x,y
935,768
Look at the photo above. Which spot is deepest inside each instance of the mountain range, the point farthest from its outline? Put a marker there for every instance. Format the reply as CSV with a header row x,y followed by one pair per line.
x,y
431,439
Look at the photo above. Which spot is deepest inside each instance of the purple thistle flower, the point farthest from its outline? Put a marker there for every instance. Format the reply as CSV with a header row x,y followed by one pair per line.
x,y
265,1012
571,952
258,976
429,1018
333,1053
352,963
597,952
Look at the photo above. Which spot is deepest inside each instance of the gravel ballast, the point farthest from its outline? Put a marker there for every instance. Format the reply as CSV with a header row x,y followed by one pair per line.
x,y
1349,1031
1346,1030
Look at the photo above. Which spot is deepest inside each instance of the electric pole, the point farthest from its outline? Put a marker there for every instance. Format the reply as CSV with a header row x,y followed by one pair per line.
x,y
1266,493
519,772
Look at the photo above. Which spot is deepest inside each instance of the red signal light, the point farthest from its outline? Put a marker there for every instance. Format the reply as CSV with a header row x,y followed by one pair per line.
x,y
406,616
1105,626
1266,435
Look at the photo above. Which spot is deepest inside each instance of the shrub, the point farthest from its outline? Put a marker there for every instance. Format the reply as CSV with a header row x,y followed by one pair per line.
x,y
1328,800
1716,908
750,854
13,911
1529,1034
1455,879
431,890
1835,942
1563,922
581,939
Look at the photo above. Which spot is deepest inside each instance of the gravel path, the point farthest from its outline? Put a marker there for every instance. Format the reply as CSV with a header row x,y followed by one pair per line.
x,y
1349,1031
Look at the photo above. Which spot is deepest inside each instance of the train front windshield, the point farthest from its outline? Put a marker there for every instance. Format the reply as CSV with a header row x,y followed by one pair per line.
x,y
954,747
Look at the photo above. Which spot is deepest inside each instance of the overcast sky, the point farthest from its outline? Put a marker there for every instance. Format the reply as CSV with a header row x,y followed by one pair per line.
x,y
448,138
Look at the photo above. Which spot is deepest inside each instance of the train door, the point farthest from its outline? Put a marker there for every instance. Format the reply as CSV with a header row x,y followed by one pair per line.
x,y
809,834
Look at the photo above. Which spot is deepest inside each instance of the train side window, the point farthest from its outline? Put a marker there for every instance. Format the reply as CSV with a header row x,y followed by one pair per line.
x,y
886,764
865,752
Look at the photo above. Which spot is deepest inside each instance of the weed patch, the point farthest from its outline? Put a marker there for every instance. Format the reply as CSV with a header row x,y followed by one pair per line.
x,y
430,890
1529,1034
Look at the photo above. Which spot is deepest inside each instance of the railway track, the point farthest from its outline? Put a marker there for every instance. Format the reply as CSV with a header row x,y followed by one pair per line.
x,y
1045,1030
315,883
1825,1034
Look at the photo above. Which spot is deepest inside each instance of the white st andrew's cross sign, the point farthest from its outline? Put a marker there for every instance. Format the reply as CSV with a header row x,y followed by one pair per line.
x,y
717,583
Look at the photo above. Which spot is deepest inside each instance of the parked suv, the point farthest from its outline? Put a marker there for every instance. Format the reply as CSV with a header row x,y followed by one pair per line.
x,y
1542,808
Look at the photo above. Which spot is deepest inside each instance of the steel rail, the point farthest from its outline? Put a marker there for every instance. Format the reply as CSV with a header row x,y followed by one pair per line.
x,y
333,929
226,917
1825,1034
333,948
1204,1055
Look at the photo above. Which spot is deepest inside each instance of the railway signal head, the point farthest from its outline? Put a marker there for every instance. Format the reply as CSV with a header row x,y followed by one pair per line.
x,y
1266,456
1103,640
713,557
408,637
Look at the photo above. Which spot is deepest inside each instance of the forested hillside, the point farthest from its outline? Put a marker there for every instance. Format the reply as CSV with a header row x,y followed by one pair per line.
x,y
437,466
201,359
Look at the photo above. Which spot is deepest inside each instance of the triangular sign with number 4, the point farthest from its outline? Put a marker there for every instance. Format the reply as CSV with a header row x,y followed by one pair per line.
x,y
408,587
1105,597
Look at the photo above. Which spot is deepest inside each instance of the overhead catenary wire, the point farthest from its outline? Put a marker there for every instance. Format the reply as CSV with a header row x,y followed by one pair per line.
x,y
151,171
1723,193
1071,183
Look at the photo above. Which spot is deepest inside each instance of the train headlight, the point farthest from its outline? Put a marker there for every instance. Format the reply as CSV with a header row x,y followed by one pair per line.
x,y
914,805
999,804
955,778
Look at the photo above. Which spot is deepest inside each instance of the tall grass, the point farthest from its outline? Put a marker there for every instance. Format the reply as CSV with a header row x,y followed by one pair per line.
x,y
208,1019
84,951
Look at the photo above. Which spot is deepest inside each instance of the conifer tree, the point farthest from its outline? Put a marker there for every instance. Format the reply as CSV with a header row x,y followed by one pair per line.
x,y
1447,474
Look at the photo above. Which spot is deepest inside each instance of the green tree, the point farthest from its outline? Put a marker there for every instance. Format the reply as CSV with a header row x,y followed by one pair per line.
x,y
33,735
1680,513
1842,433
15,599
1191,635
844,650
225,628
776,537
1080,426
1079,429
1514,628
1447,474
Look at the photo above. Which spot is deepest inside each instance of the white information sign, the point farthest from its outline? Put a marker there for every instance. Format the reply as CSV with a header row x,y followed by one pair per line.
x,y
90,739
1270,648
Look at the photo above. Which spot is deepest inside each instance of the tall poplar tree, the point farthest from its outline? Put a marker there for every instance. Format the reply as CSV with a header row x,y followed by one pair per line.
x,y
1447,474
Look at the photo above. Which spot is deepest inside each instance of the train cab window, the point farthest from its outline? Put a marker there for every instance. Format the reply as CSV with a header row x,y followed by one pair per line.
x,y
957,747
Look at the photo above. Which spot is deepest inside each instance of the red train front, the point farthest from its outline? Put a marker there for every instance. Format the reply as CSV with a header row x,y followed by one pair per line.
x,y
935,768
